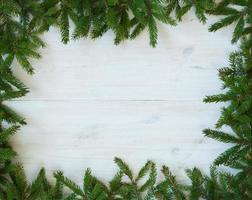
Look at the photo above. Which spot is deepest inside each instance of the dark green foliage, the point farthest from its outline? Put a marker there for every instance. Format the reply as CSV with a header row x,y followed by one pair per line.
x,y
92,187
127,19
132,188
9,116
142,187
182,7
236,114
169,188
196,188
22,22
233,11
6,153
219,185
17,187
237,83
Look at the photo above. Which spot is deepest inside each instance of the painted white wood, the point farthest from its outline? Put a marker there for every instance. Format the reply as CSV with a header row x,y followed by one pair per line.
x,y
91,101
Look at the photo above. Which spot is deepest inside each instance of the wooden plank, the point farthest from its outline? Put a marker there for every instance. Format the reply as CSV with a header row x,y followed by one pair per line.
x,y
182,67
72,135
91,101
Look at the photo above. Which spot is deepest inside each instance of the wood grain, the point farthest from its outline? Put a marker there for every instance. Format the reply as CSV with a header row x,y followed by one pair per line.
x,y
91,101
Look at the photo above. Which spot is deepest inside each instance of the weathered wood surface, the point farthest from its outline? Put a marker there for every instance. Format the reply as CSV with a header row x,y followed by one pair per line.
x,y
91,101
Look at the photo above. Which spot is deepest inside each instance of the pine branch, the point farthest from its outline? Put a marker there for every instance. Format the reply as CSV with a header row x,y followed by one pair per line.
x,y
7,133
6,154
218,98
18,179
10,116
152,27
228,156
64,24
223,137
68,183
149,185
23,61
124,168
224,22
144,170
196,189
232,13
172,184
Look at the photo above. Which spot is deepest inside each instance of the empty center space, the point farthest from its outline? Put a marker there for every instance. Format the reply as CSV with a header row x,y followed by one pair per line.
x,y
91,101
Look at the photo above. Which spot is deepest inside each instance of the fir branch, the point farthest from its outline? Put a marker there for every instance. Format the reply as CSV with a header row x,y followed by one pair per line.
x,y
116,183
6,154
68,183
124,167
23,61
10,116
172,184
196,189
144,170
7,133
228,156
82,27
224,22
218,98
137,30
64,24
223,137
152,27
239,30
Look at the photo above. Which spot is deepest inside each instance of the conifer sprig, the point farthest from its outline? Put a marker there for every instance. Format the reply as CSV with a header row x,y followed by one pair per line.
x,y
238,12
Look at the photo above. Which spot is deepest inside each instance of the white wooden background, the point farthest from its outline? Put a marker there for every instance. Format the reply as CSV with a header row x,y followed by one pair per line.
x,y
91,101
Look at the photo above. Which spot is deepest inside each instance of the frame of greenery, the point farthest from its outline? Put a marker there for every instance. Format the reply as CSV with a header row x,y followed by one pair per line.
x,y
22,22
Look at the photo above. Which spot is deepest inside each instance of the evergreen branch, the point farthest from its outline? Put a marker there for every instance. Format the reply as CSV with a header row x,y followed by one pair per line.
x,y
228,156
58,190
10,116
11,95
152,27
6,154
5,64
64,24
7,133
151,181
23,61
68,183
137,30
116,182
172,184
37,186
82,27
222,137
11,79
124,168
144,170
196,189
18,177
224,22
218,98
238,31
